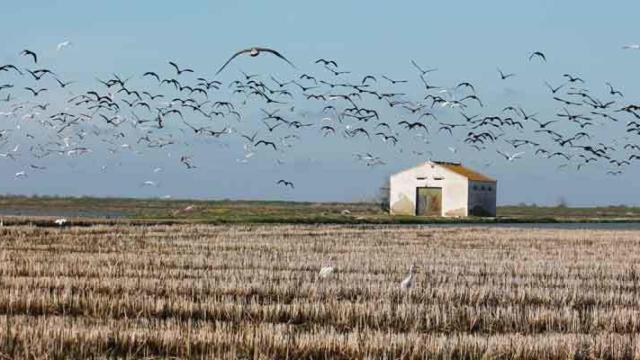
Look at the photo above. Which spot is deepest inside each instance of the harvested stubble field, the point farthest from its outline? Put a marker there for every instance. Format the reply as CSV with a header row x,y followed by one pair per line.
x,y
204,291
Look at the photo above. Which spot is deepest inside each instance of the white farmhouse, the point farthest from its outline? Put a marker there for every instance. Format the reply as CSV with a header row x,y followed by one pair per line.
x,y
436,188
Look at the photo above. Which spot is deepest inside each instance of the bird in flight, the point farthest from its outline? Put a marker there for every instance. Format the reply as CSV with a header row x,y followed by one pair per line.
x,y
573,78
27,52
394,81
178,70
613,91
286,183
538,54
253,52
632,46
326,62
510,157
63,84
422,71
504,76
63,45
35,92
554,89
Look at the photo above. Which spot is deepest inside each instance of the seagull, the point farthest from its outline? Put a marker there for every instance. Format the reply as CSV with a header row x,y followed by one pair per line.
x,y
253,52
632,46
510,157
612,91
21,174
286,183
538,54
408,281
178,70
422,71
504,76
63,45
61,221
27,52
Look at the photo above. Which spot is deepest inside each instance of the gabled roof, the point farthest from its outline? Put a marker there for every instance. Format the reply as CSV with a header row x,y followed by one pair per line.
x,y
458,168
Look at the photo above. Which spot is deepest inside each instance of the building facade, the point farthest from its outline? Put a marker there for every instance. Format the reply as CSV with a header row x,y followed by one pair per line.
x,y
436,188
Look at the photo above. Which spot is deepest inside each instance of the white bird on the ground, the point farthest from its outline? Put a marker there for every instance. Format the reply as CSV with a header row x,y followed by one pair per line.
x,y
21,175
510,157
408,281
63,45
61,221
326,270
632,46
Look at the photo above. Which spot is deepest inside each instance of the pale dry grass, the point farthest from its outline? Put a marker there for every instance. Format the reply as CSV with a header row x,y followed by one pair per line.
x,y
253,292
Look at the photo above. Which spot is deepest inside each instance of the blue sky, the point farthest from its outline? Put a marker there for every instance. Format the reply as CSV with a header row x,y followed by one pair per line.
x,y
465,40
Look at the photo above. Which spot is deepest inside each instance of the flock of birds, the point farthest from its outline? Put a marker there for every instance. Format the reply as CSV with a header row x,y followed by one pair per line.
x,y
45,115
122,115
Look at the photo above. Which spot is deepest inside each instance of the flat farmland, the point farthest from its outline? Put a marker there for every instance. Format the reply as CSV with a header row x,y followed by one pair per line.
x,y
253,291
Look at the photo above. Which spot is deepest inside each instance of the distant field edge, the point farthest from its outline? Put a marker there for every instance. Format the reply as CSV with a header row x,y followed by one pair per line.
x,y
91,210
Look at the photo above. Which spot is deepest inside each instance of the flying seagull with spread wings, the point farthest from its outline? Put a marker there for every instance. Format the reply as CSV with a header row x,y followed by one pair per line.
x,y
253,52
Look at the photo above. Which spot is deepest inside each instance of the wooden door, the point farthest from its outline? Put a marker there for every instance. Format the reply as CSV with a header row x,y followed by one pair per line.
x,y
429,201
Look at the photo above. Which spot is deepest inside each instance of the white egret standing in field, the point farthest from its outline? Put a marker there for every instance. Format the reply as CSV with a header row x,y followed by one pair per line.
x,y
60,222
325,271
408,281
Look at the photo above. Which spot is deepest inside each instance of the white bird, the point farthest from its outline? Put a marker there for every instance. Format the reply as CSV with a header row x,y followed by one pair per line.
x,y
149,183
8,156
253,52
408,281
510,157
21,174
63,45
157,170
60,222
632,46
326,270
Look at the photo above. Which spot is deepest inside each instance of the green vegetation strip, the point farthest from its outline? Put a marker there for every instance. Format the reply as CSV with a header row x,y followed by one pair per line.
x,y
87,211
